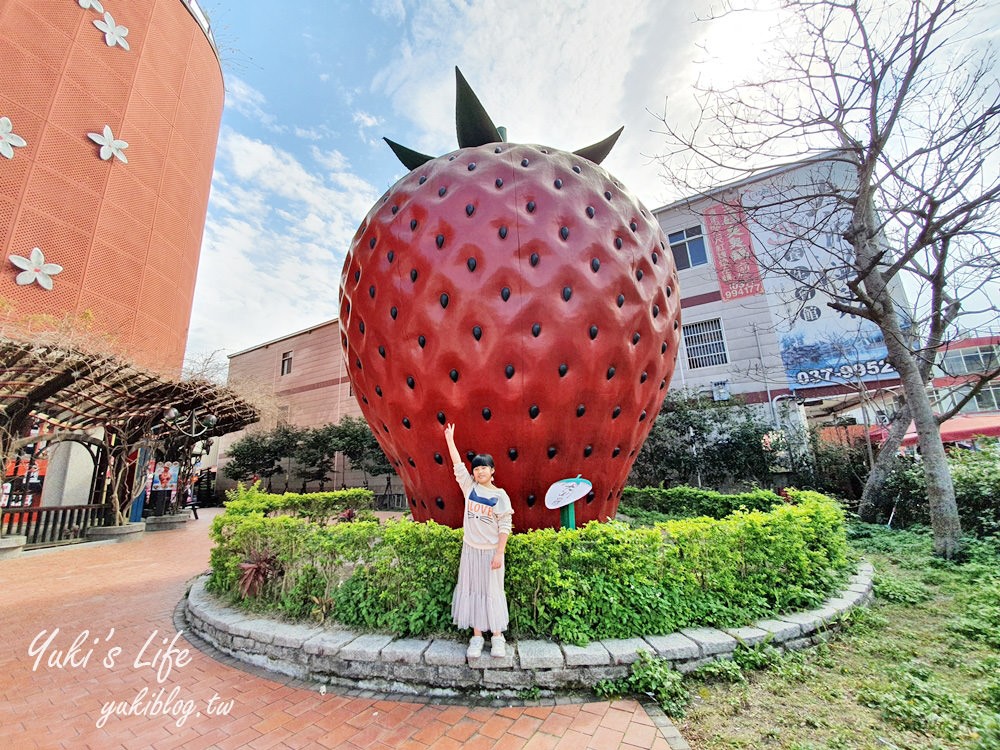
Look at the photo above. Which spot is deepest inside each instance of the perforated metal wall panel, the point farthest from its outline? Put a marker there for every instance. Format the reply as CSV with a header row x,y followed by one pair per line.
x,y
128,235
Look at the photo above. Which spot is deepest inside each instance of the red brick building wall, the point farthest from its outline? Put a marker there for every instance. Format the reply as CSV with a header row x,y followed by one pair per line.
x,y
127,235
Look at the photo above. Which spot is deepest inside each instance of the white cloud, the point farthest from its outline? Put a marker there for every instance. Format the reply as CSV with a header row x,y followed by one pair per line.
x,y
250,103
274,244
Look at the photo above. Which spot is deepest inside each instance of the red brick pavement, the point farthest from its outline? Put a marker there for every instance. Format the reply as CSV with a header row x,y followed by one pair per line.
x,y
131,681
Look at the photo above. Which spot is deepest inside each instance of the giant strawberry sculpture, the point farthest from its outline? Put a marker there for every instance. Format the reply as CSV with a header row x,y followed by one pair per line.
x,y
523,293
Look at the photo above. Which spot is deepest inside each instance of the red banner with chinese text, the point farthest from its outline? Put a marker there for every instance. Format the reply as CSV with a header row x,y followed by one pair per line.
x,y
735,262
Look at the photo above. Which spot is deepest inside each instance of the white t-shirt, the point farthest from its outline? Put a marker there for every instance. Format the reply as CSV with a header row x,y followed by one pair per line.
x,y
488,511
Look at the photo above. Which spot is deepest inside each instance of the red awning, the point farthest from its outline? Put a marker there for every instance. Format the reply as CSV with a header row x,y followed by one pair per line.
x,y
963,427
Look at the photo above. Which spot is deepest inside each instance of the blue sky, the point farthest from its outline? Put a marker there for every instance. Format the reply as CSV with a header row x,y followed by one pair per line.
x,y
313,85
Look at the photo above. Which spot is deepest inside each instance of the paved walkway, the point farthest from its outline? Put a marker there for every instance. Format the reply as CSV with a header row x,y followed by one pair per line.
x,y
92,659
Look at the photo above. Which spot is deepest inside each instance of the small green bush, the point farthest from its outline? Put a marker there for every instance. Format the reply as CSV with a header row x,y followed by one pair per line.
x,y
651,676
599,581
693,501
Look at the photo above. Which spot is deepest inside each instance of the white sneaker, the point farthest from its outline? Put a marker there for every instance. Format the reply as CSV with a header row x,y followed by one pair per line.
x,y
475,649
498,646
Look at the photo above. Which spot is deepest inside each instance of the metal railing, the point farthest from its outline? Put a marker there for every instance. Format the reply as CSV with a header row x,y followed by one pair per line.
x,y
46,526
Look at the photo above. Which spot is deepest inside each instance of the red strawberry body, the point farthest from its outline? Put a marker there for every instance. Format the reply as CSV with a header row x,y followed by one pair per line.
x,y
522,293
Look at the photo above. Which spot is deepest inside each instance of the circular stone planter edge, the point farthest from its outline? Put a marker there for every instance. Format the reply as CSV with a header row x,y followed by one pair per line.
x,y
439,667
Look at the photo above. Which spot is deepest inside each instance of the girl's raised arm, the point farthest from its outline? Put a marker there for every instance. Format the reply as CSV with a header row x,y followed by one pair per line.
x,y
449,437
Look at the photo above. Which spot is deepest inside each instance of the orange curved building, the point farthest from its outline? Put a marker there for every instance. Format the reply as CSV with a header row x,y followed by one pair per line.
x,y
109,119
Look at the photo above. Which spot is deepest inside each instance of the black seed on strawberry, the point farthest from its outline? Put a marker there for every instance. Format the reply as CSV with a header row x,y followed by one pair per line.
x,y
663,384
390,256
576,169
378,391
530,207
410,461
533,259
497,150
581,410
563,369
361,326
505,293
413,274
638,275
558,184
471,263
381,351
470,209
552,451
656,311
422,341
611,372
633,226
512,454
643,377
371,243
357,275
472,166
453,375
587,451
441,417
440,240
406,422
533,411
503,233
422,180
477,333
442,191
530,501
509,371
669,291
607,195
590,212
655,258
615,452
487,414
524,162
413,224
364,400
536,329
439,502
642,416
635,338
371,291
438,458
593,332
564,232
616,413
499,183
595,265
444,300
410,382
395,209
567,293
393,312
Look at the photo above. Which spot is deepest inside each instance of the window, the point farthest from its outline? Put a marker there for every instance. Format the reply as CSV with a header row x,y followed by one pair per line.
x,y
705,344
971,361
688,248
988,399
286,363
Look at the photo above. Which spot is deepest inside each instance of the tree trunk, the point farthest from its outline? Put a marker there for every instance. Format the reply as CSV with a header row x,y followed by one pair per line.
x,y
940,490
883,463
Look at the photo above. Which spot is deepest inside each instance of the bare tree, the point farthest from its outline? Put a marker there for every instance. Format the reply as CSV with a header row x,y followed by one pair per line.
x,y
898,102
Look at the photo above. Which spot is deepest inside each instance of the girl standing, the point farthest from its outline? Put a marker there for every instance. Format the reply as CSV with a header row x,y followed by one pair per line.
x,y
479,601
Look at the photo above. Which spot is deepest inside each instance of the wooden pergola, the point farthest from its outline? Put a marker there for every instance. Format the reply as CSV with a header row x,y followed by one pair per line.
x,y
110,404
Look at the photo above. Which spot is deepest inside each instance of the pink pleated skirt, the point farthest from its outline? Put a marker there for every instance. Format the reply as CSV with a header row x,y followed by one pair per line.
x,y
479,600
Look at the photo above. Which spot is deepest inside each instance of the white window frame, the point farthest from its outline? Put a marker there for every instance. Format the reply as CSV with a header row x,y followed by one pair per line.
x,y
697,360
684,243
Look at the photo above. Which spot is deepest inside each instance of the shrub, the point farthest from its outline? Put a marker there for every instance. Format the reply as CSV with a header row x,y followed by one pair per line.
x,y
694,501
651,676
599,581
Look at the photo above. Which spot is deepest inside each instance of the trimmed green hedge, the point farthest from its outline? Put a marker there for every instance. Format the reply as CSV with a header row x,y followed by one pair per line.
x,y
694,501
600,581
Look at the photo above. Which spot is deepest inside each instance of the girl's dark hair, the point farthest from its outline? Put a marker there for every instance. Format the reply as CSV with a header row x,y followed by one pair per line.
x,y
483,459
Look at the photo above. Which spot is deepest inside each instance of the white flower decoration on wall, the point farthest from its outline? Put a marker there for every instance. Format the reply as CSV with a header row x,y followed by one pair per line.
x,y
35,269
113,33
91,5
110,146
8,138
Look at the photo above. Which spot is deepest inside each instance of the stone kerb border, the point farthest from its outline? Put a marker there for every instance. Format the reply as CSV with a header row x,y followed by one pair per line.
x,y
439,667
